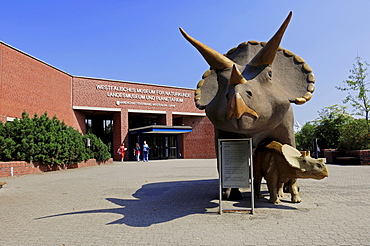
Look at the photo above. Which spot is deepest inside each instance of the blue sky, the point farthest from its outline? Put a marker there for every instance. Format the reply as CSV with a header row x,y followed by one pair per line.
x,y
139,40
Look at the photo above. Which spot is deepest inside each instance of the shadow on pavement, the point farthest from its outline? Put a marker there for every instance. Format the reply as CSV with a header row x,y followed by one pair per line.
x,y
160,202
264,202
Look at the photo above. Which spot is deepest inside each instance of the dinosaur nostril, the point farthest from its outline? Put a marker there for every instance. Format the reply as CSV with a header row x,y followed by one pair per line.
x,y
249,93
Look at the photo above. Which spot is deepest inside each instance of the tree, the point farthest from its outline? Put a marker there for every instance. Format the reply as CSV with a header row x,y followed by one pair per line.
x,y
304,138
335,129
354,136
329,124
357,87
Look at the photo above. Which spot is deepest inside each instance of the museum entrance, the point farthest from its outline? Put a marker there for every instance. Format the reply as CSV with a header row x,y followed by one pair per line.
x,y
162,146
163,140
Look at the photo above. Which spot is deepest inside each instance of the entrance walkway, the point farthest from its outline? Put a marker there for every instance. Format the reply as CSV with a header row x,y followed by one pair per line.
x,y
173,202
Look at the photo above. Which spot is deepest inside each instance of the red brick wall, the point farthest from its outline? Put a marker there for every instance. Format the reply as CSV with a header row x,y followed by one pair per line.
x,y
22,167
30,85
80,119
361,157
121,132
200,143
85,93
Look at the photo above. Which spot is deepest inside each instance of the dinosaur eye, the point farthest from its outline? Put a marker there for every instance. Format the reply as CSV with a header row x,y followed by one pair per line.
x,y
270,74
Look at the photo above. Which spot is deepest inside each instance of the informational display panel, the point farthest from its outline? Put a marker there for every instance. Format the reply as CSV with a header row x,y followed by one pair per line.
x,y
235,164
235,167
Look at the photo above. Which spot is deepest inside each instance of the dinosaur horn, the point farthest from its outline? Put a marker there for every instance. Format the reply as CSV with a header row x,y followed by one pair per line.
x,y
236,77
216,60
267,54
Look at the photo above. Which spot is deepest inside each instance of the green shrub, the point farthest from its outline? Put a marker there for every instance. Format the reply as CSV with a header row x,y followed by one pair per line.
x,y
355,136
48,141
97,150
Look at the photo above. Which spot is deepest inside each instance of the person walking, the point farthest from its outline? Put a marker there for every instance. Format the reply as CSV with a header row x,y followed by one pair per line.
x,y
137,152
121,151
145,151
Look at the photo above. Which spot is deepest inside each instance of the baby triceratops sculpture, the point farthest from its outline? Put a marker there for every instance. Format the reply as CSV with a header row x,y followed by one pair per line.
x,y
281,163
248,91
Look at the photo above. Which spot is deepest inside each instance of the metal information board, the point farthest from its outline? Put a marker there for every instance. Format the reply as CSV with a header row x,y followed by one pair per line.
x,y
235,167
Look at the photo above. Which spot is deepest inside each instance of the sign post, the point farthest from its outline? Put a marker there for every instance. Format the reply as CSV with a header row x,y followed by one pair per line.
x,y
235,167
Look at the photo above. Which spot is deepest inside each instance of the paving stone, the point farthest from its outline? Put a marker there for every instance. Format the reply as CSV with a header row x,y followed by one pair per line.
x,y
174,202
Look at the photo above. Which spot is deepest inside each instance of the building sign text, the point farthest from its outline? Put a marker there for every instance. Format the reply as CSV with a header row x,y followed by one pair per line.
x,y
143,94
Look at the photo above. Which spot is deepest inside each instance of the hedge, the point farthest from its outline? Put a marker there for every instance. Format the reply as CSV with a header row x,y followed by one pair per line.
x,y
47,141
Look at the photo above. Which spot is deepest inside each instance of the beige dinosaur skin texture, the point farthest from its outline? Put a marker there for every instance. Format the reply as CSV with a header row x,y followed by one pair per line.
x,y
280,164
248,92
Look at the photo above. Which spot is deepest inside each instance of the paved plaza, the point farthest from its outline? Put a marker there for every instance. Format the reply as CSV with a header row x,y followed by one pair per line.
x,y
174,202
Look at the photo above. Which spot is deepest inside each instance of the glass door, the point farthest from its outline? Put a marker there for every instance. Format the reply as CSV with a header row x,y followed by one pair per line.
x,y
173,147
162,146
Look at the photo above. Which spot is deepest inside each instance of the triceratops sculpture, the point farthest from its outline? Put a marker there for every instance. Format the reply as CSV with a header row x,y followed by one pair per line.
x,y
248,91
281,163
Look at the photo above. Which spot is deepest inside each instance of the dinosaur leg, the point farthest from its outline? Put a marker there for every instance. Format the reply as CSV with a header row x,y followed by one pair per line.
x,y
296,198
281,189
272,185
257,184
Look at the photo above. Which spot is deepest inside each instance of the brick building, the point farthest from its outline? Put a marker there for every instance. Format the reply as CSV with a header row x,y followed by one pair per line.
x,y
116,111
